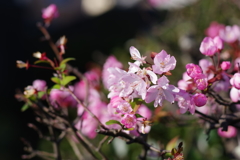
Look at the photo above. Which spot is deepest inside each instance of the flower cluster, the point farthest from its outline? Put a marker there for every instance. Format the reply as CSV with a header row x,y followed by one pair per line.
x,y
214,75
138,82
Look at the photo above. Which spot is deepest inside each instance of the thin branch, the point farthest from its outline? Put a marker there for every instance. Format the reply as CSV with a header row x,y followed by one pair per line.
x,y
101,143
89,112
206,116
75,148
130,139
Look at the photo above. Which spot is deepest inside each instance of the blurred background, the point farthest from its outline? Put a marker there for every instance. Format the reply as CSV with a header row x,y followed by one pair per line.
x,y
96,29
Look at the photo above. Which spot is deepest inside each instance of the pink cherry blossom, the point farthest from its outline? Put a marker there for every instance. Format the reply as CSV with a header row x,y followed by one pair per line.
x,y
163,62
201,81
114,76
206,65
235,94
193,70
230,133
111,62
128,86
61,98
223,84
136,55
225,65
87,125
39,85
124,108
230,34
144,111
214,29
143,73
218,42
50,12
129,120
93,77
199,99
185,102
184,83
161,91
235,80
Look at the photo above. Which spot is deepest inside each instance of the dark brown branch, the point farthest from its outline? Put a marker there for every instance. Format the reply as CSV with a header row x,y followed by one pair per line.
x,y
129,139
206,116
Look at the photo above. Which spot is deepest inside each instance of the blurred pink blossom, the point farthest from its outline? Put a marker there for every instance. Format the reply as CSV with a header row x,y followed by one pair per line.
x,y
111,62
230,34
225,65
206,65
39,85
230,133
214,29
235,94
223,84
50,12
235,80
61,98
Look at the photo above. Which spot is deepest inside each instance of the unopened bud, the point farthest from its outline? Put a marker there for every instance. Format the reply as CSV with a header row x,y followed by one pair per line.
x,y
153,54
199,99
225,65
21,64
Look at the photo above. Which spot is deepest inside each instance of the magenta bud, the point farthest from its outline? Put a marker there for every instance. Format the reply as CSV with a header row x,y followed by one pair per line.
x,y
199,99
230,133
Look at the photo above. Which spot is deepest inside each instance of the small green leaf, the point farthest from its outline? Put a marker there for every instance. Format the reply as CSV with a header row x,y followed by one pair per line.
x,y
67,79
133,104
110,122
24,107
173,151
129,129
138,115
172,143
136,108
56,86
55,80
40,61
66,60
40,94
63,66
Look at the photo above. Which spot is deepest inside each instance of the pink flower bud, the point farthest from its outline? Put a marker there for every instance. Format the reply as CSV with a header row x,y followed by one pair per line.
x,y
225,65
230,133
199,99
49,13
129,120
235,80
208,46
